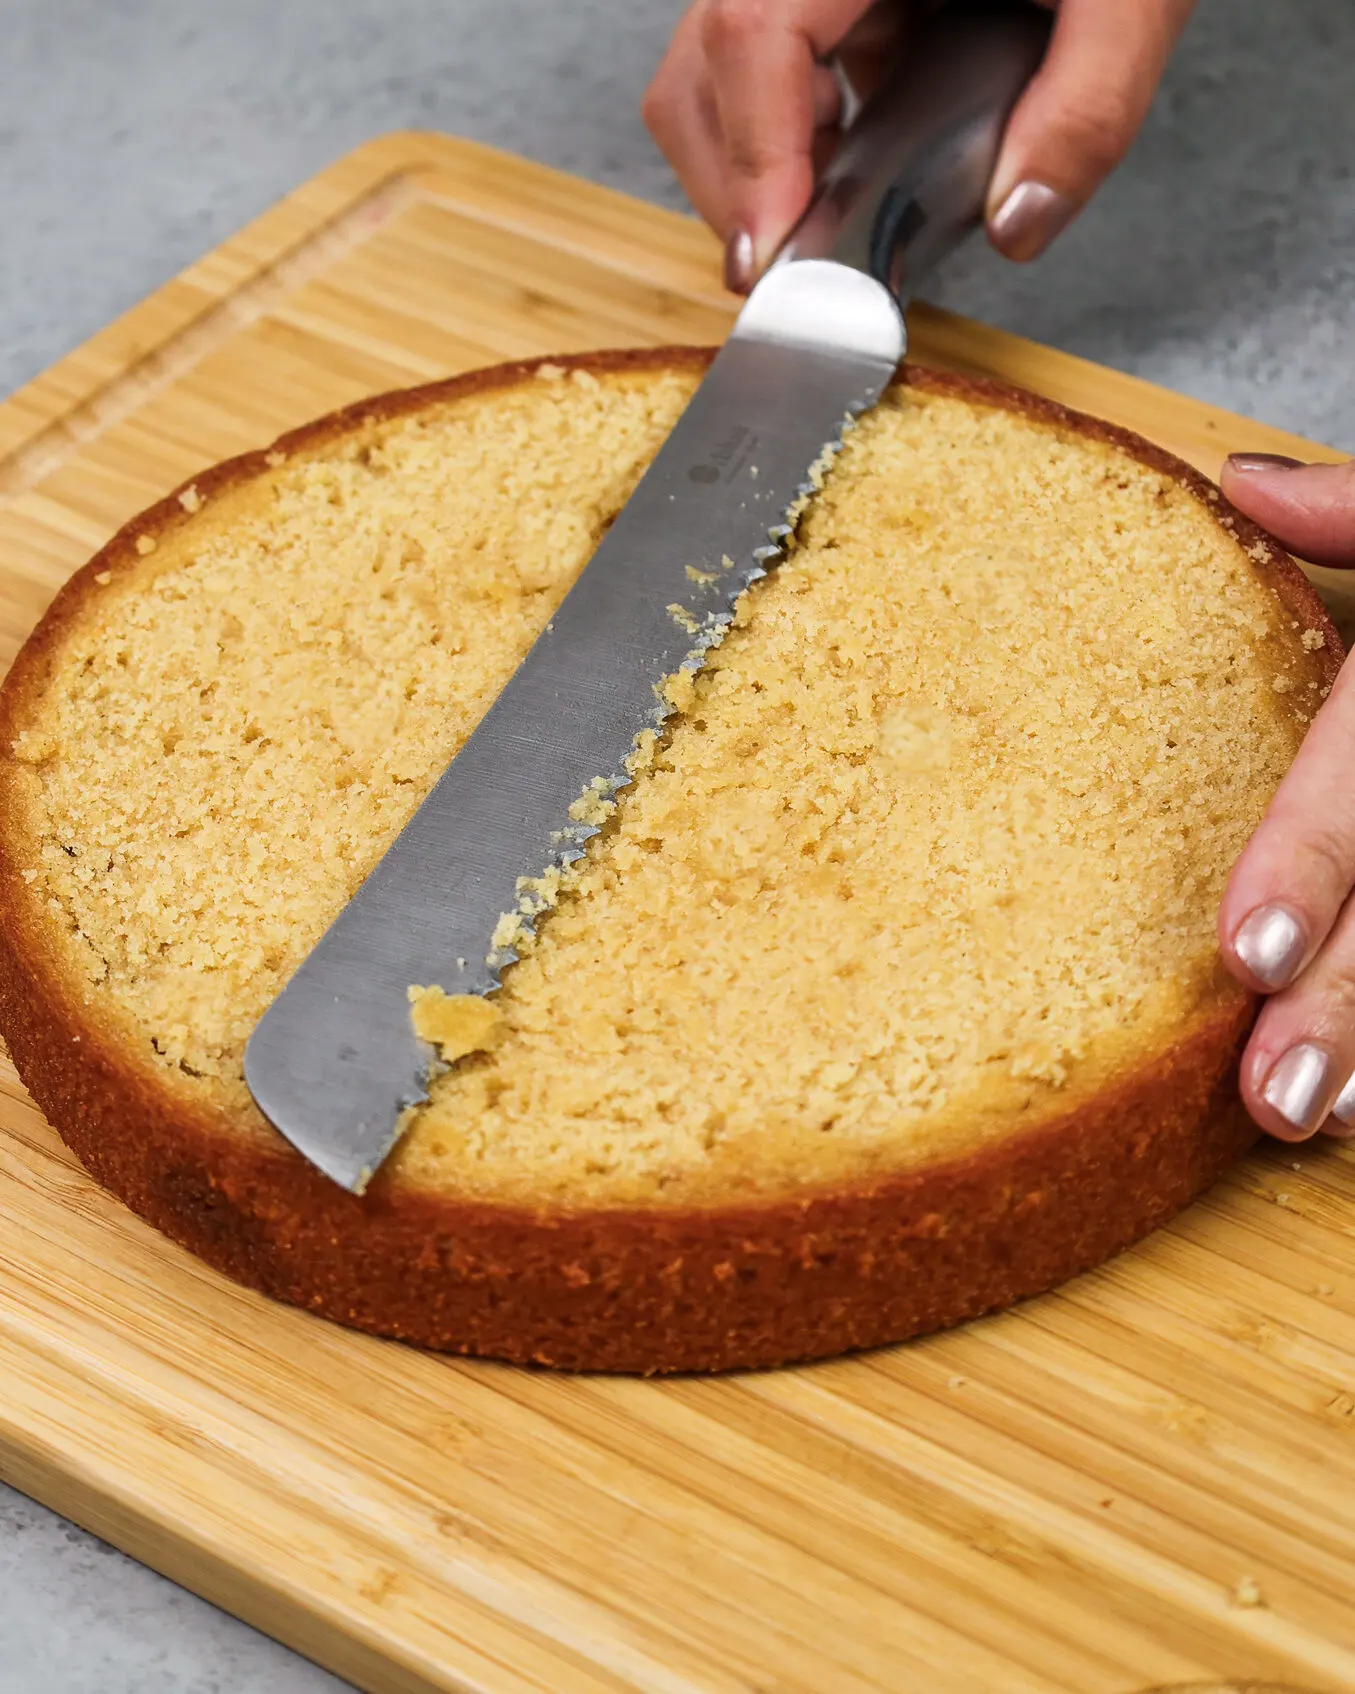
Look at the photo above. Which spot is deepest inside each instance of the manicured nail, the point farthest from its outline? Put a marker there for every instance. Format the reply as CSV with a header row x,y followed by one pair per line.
x,y
739,262
1245,462
1270,942
1029,219
1299,1086
1343,1106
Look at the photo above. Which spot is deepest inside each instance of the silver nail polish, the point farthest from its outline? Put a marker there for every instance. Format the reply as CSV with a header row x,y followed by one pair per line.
x,y
1270,942
739,260
1343,1106
1265,462
1299,1086
1029,219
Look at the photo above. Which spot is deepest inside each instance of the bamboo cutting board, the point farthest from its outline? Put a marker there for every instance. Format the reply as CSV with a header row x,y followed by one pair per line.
x,y
1078,1497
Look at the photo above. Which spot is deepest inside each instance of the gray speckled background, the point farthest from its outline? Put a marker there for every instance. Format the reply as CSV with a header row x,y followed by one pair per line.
x,y
134,134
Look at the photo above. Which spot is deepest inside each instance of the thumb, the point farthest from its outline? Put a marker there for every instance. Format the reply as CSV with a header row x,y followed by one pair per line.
x,y
1310,509
1076,120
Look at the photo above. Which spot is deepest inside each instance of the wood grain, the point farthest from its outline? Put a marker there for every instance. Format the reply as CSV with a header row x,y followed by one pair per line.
x,y
1061,1500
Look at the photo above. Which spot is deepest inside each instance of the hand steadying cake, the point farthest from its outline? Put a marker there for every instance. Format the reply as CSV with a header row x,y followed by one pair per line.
x,y
747,108
1287,924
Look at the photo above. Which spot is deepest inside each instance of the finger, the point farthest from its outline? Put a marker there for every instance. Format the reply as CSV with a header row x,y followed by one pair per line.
x,y
1309,509
1075,121
678,108
1341,1124
763,63
1295,873
1302,1051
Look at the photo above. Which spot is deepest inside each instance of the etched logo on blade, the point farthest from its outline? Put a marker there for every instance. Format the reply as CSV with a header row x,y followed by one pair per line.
x,y
727,458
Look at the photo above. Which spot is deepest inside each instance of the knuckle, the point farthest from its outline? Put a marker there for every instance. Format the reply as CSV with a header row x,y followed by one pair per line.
x,y
1098,132
1325,1006
656,107
730,26
1324,856
751,155
1338,993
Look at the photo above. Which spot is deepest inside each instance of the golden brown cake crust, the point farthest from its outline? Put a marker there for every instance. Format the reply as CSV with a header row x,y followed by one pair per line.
x,y
626,1289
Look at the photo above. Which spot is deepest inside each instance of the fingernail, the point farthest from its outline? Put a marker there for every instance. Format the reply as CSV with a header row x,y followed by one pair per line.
x,y
1343,1106
739,262
1299,1086
1029,219
1245,462
1270,942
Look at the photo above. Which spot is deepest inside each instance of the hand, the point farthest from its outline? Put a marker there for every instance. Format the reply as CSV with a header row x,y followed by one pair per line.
x,y
747,111
1287,923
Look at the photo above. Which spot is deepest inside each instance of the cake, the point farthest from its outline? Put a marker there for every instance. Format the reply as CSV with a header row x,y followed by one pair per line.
x,y
889,994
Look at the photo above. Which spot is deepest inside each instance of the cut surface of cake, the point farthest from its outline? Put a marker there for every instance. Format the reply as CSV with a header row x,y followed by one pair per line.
x,y
888,995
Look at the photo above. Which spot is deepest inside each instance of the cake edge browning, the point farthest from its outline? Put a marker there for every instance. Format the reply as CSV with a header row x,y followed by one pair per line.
x,y
637,1290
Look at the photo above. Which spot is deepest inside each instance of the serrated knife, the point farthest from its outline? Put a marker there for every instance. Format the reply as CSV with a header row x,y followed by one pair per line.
x,y
335,1063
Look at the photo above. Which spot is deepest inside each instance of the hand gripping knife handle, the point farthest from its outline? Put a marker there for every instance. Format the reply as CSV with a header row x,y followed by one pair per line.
x,y
910,178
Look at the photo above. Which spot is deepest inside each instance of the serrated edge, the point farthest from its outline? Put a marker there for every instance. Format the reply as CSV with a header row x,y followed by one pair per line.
x,y
540,894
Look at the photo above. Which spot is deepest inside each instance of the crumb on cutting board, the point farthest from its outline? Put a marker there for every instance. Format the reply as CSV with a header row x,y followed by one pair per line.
x,y
1246,1594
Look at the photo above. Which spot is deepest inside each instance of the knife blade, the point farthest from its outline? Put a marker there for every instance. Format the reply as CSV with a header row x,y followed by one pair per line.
x,y
335,1063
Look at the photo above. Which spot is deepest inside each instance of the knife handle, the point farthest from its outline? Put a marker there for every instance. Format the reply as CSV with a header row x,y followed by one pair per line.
x,y
909,181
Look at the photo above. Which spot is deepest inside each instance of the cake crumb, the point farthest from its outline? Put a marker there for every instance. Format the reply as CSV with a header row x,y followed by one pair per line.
x,y
190,499
641,756
31,749
1282,684
595,805
1246,1594
274,459
145,545
456,1024
1313,639
678,691
956,1381
1326,1289
103,578
509,934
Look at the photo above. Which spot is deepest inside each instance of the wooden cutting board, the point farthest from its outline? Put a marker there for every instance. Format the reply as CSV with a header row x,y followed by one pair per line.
x,y
1077,1496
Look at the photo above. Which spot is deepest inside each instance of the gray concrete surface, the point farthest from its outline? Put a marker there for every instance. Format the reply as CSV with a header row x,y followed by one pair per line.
x,y
136,133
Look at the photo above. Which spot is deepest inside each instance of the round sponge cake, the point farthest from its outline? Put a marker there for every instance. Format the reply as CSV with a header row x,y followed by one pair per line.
x,y
888,995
